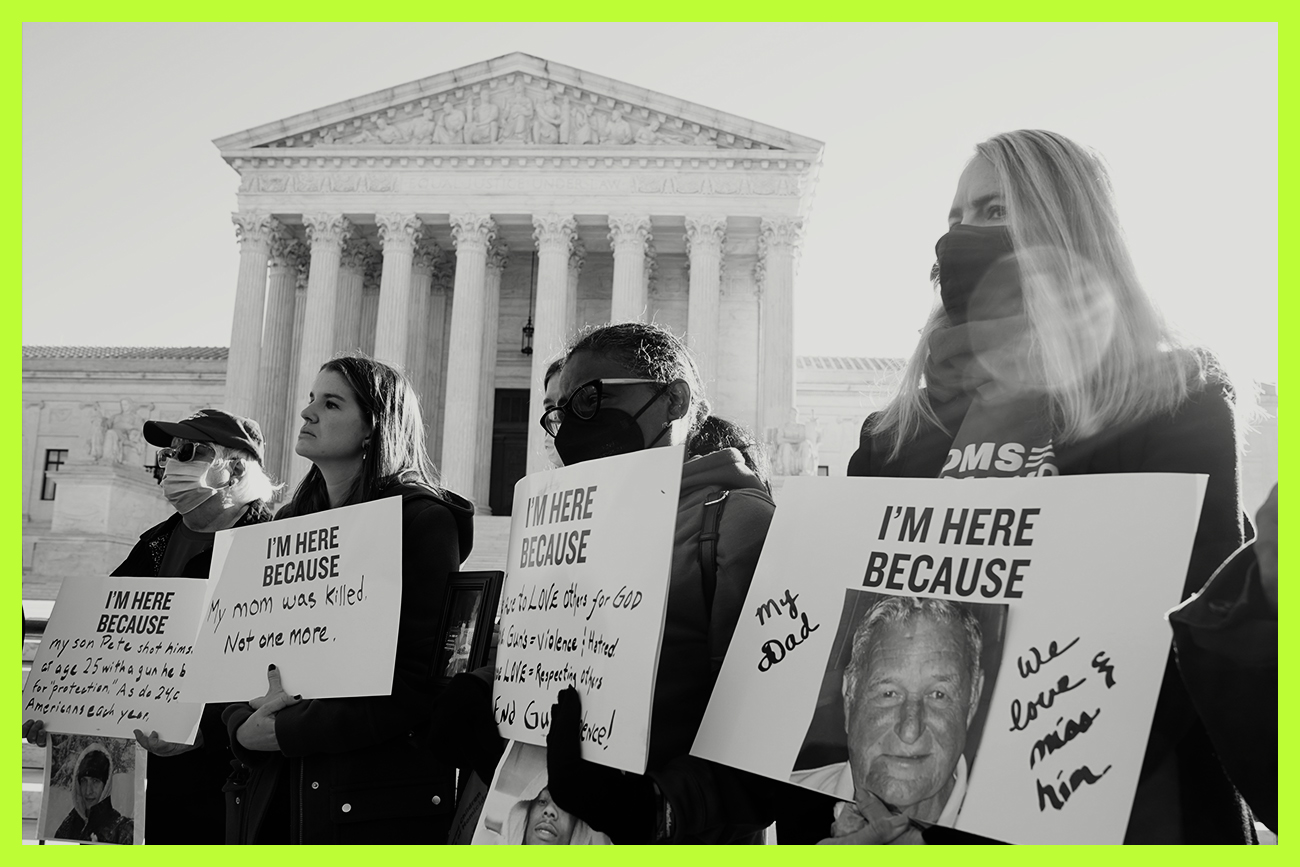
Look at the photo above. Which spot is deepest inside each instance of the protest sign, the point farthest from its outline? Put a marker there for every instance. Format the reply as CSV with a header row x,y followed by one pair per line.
x,y
584,600
518,809
318,596
984,655
93,790
117,655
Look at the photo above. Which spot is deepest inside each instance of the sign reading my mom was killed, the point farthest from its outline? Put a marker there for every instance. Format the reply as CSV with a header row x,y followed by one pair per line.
x,y
984,655
584,600
117,655
318,596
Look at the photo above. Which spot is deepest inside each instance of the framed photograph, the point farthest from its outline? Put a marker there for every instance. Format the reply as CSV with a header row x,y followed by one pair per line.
x,y
467,620
93,791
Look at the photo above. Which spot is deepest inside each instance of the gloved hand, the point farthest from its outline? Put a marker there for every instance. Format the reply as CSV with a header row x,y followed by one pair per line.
x,y
623,806
462,726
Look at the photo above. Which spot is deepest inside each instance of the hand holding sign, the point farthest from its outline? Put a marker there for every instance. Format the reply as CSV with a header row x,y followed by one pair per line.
x,y
159,747
258,731
876,828
621,805
34,732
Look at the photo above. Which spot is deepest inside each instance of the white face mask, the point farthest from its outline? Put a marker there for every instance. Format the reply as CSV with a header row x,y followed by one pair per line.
x,y
186,486
548,446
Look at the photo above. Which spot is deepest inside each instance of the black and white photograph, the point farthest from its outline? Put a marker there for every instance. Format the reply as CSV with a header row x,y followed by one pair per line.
x,y
278,270
519,810
94,790
903,703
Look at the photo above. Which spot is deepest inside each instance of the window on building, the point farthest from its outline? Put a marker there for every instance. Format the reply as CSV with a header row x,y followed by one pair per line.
x,y
54,459
823,470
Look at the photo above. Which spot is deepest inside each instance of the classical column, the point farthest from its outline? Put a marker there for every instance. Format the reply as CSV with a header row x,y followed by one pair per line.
x,y
418,337
778,244
471,233
704,239
294,402
288,260
253,230
498,256
327,233
370,300
554,234
435,373
398,232
628,235
577,256
347,316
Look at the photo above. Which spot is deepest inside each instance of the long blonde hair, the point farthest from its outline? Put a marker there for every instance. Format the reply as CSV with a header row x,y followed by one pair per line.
x,y
1097,344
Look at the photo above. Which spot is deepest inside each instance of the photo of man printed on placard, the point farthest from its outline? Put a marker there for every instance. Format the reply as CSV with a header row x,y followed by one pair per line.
x,y
903,703
519,809
94,790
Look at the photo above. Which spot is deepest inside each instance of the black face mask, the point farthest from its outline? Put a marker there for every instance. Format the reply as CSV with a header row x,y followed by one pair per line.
x,y
609,432
978,257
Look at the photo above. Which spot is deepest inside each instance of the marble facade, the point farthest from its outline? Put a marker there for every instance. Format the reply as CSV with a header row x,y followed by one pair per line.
x,y
509,192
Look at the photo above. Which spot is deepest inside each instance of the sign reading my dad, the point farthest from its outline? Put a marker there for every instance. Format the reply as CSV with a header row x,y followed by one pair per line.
x,y
318,596
1081,570
117,655
584,599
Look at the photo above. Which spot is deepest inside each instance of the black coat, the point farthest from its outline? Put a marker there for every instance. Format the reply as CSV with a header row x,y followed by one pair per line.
x,y
1183,795
357,770
183,802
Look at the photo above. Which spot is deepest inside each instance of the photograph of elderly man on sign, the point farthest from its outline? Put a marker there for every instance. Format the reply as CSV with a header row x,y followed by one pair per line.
x,y
902,707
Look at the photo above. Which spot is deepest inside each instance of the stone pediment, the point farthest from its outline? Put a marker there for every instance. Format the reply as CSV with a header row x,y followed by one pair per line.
x,y
514,101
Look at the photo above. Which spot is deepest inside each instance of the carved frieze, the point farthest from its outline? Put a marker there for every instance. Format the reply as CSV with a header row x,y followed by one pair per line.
x,y
545,179
518,110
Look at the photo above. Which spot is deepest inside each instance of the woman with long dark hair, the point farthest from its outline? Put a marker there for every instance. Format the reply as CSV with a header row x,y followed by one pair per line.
x,y
357,770
1044,355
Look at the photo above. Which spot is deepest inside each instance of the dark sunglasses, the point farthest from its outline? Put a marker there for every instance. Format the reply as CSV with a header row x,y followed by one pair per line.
x,y
186,453
584,403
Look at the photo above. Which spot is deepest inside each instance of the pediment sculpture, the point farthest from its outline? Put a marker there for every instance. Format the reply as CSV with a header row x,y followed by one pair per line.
x,y
543,114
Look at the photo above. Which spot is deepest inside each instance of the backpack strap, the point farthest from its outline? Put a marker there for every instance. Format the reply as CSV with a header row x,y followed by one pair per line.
x,y
712,524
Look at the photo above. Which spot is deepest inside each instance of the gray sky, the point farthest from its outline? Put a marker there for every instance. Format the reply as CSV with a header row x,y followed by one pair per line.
x,y
126,203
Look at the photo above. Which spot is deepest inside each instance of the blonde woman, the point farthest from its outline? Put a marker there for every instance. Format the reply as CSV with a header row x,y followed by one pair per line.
x,y
1044,356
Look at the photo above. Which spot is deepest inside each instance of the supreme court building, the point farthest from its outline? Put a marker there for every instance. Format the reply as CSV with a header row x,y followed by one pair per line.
x,y
432,223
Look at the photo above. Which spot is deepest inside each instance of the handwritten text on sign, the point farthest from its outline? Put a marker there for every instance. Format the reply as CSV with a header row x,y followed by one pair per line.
x,y
117,656
318,596
1082,657
583,603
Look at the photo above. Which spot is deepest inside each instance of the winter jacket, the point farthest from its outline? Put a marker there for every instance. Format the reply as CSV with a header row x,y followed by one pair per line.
x,y
184,803
710,803
1226,642
1183,795
356,770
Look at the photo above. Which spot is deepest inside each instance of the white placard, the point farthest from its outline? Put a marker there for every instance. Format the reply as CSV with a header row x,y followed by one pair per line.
x,y
117,655
319,596
584,599
1067,579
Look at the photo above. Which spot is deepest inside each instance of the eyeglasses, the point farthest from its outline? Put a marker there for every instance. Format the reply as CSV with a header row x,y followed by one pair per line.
x,y
584,403
186,453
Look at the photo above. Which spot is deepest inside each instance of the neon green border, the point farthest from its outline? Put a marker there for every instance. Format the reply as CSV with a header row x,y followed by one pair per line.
x,y
666,10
